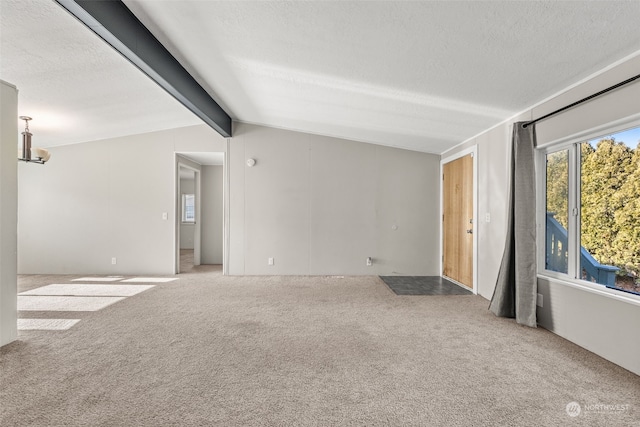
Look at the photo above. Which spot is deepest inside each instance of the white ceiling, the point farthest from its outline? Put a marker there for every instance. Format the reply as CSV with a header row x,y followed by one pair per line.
x,y
418,75
75,86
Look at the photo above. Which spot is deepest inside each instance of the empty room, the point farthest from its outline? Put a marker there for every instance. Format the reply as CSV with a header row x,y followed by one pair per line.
x,y
318,213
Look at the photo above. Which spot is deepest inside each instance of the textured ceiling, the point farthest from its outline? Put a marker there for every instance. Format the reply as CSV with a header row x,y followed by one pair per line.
x,y
418,75
75,86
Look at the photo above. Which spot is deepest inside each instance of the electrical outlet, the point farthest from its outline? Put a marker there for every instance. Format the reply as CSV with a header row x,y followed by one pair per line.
x,y
270,261
487,217
369,262
113,261
539,300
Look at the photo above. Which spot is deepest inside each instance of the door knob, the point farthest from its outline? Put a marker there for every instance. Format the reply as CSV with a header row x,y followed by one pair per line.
x,y
470,231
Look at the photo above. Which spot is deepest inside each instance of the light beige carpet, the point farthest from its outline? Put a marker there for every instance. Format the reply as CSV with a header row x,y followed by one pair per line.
x,y
64,303
302,351
88,290
46,324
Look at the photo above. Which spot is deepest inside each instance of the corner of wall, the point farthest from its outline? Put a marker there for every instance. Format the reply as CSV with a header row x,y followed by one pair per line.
x,y
8,212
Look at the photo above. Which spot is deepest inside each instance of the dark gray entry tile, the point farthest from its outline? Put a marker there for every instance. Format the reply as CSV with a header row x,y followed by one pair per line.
x,y
423,285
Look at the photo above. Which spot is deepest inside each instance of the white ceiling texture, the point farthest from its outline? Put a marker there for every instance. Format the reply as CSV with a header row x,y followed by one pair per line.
x,y
74,85
418,75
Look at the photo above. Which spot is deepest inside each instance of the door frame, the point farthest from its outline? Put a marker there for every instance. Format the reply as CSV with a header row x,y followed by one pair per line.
x,y
181,162
473,150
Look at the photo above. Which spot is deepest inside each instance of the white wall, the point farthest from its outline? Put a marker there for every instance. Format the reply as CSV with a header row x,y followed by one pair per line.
x,y
187,186
317,205
104,199
321,205
212,214
8,211
599,323
602,324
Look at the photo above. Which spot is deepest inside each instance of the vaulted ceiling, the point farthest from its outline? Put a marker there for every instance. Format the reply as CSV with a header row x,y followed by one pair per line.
x,y
418,75
75,86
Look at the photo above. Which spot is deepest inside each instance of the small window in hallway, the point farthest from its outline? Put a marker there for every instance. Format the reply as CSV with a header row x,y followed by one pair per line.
x,y
188,208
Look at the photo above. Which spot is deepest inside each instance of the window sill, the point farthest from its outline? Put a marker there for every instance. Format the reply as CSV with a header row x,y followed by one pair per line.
x,y
188,223
593,288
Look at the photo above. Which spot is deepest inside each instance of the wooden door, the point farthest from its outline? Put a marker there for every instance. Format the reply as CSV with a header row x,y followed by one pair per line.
x,y
457,220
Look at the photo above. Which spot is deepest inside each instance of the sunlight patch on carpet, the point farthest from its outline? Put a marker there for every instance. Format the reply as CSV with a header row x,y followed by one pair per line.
x,y
46,324
150,280
64,303
89,290
98,279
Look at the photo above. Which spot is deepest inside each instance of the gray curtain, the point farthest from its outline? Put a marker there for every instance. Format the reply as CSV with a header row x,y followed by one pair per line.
x,y
517,286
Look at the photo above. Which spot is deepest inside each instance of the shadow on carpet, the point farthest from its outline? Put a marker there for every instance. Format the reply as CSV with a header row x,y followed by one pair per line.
x,y
423,285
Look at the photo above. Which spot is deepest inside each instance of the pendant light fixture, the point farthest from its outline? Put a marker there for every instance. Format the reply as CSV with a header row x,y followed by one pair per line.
x,y
35,154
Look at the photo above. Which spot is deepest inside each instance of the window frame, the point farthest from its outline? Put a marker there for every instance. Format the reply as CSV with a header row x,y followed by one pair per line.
x,y
541,171
572,143
183,215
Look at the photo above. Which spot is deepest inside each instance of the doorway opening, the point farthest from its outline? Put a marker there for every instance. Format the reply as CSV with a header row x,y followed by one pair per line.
x,y
199,203
187,217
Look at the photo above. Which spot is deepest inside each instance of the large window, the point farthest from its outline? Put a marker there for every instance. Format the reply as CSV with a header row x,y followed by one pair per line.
x,y
592,210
